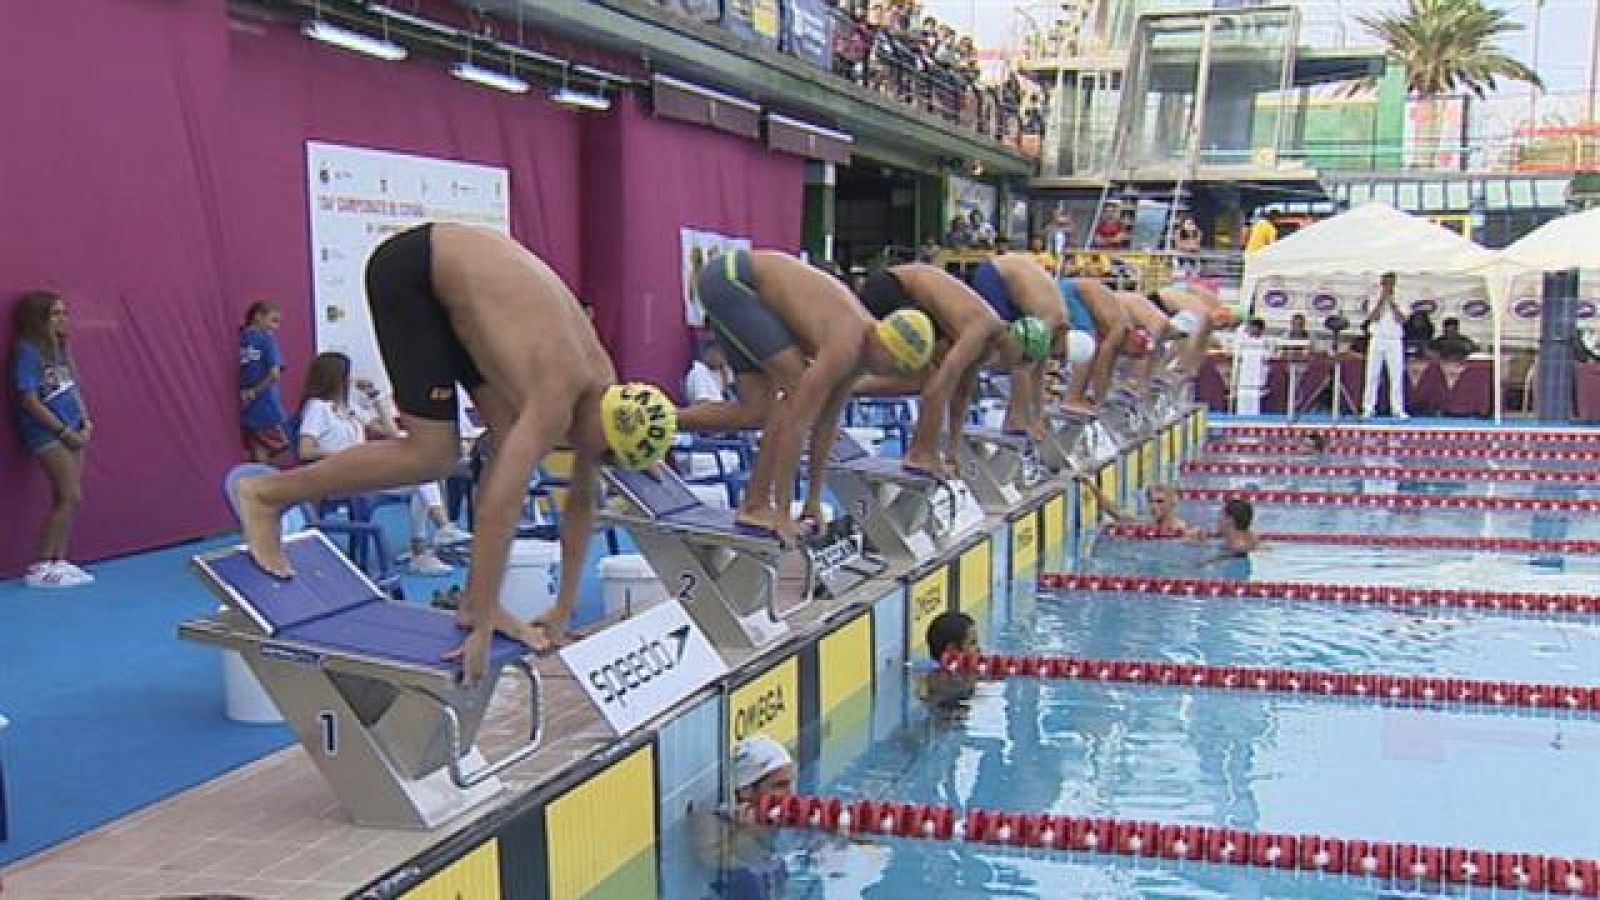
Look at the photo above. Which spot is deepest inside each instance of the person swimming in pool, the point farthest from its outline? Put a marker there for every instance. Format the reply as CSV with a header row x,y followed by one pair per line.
x,y
739,849
797,341
1161,499
1234,528
947,693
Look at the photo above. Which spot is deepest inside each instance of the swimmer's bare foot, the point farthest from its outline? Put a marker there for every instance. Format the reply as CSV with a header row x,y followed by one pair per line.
x,y
780,527
260,522
1077,408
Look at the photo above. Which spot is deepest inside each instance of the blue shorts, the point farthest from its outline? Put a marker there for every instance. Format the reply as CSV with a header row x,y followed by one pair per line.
x,y
37,437
1077,314
991,285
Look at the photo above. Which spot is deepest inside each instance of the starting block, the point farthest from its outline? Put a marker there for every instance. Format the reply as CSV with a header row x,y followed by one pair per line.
x,y
905,516
736,581
362,682
1069,441
999,466
1123,416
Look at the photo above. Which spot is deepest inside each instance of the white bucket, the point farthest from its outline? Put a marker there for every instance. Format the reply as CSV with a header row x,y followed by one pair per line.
x,y
629,584
712,495
533,572
247,701
869,438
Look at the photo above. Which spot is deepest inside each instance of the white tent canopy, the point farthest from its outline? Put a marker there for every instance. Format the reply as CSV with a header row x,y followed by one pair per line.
x,y
1371,239
1375,238
1570,242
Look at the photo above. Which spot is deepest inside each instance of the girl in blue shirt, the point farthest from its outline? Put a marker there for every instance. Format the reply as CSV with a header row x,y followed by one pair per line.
x,y
261,415
53,422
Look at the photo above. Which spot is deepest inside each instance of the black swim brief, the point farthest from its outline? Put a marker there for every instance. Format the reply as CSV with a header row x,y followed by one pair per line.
x,y
748,330
420,349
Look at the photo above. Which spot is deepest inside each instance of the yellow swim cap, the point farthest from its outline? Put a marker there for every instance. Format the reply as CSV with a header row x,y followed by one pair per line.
x,y
639,422
908,336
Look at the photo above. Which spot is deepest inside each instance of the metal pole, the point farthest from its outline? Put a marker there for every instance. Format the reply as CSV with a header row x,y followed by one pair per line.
x,y
1533,89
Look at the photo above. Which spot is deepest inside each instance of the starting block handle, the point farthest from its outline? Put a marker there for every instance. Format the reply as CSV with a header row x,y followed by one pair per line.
x,y
458,775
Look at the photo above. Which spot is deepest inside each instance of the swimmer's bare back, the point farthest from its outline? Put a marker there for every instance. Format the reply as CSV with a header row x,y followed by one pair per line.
x,y
816,306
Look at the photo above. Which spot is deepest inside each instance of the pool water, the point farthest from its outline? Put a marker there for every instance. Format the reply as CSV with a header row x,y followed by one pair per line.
x,y
1454,776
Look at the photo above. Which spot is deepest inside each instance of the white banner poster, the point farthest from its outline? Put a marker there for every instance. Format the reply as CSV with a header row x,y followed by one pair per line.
x,y
638,668
358,198
699,248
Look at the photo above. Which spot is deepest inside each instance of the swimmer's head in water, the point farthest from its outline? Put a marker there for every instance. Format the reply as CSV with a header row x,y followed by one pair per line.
x,y
951,631
639,423
1239,513
1319,442
907,336
761,765
1162,498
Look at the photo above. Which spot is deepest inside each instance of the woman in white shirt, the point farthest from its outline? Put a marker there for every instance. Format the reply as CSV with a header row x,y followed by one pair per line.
x,y
330,423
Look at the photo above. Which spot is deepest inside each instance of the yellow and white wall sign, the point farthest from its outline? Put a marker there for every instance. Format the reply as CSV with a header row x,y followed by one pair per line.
x,y
1024,544
599,833
844,664
767,704
1053,516
475,875
928,597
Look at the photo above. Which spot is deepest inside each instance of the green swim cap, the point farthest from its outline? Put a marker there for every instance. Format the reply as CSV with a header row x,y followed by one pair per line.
x,y
1034,337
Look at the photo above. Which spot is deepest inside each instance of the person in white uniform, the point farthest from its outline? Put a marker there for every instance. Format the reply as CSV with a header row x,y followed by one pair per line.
x,y
1386,351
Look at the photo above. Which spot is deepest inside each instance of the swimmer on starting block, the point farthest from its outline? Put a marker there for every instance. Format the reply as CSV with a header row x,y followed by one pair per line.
x,y
460,304
1150,344
1018,288
1094,308
797,341
967,334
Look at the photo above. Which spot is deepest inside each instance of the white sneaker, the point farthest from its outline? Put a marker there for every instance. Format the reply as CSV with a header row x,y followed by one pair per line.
x,y
75,572
449,534
52,575
430,565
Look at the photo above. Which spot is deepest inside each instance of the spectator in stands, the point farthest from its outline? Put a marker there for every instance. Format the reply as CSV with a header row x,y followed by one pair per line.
x,y
1263,232
1111,233
1418,333
1452,345
1059,236
710,378
929,251
262,419
54,423
1187,238
959,237
1297,328
982,232
331,423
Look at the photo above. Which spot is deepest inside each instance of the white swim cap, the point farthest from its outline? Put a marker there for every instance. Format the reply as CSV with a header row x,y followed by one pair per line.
x,y
1186,323
1080,347
756,757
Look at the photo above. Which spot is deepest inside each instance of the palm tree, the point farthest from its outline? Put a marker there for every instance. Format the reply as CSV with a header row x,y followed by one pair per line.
x,y
1448,47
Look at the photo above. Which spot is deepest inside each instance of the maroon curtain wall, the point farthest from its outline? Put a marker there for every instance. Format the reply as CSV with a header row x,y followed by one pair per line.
x,y
153,172
156,178
645,178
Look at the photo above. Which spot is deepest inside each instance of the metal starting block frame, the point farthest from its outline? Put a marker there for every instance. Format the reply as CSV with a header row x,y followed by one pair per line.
x,y
1070,440
906,517
737,582
998,466
361,681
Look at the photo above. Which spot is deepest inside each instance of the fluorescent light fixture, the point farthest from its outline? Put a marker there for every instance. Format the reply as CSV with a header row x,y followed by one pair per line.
x,y
401,15
708,93
818,130
577,99
500,81
601,74
355,41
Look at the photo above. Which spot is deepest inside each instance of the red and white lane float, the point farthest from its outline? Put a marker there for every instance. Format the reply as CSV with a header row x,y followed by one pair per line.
x,y
1348,434
1357,594
1398,501
1407,689
1399,863
1389,472
1461,450
1473,543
